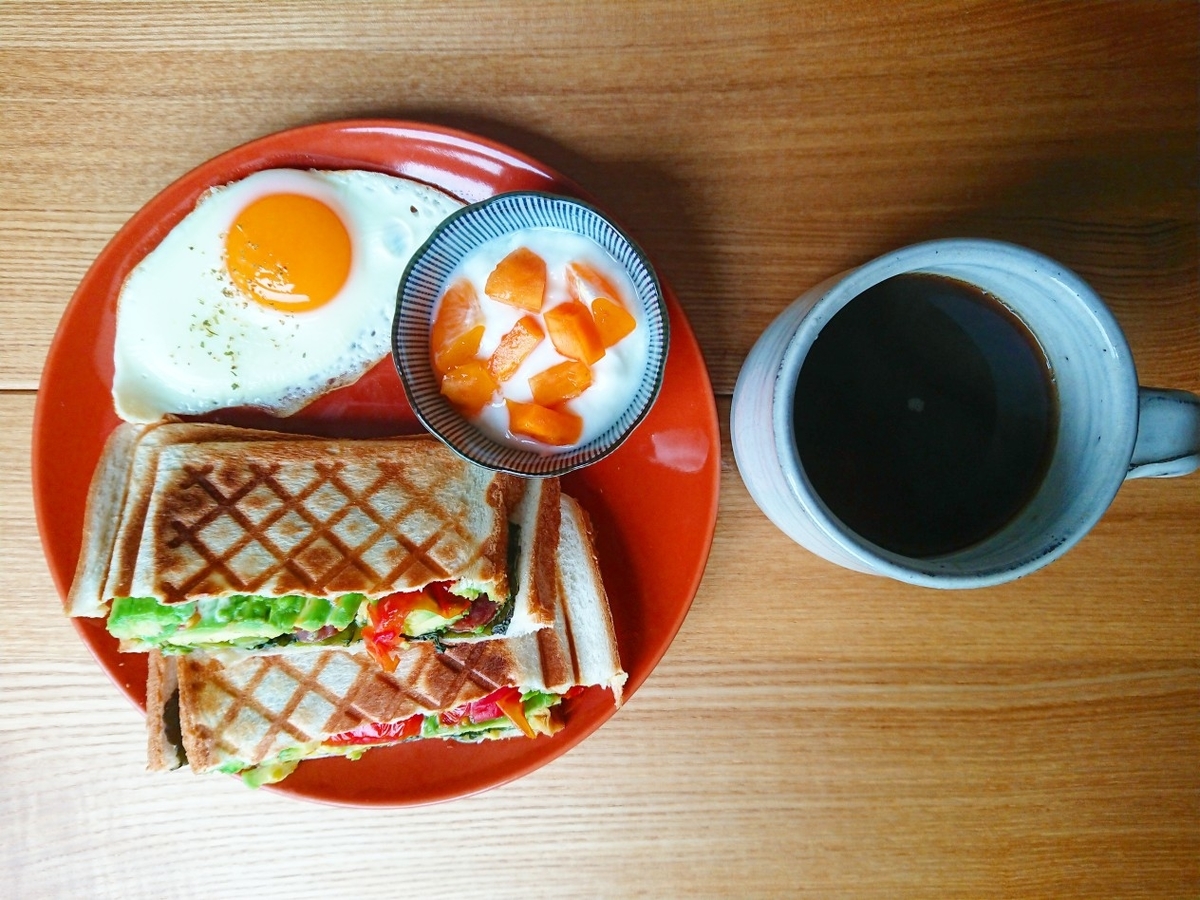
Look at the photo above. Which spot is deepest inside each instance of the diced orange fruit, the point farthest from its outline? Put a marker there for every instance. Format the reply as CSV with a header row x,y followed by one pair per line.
x,y
514,347
518,280
469,386
613,321
556,427
580,273
458,312
573,332
458,351
560,383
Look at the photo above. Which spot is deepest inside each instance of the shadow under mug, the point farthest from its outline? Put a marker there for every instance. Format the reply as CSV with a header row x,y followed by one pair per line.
x,y
1108,429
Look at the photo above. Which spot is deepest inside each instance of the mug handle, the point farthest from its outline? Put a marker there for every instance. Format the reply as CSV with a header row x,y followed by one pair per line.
x,y
1168,436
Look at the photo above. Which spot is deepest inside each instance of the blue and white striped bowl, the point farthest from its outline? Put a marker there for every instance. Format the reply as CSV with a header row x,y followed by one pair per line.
x,y
426,278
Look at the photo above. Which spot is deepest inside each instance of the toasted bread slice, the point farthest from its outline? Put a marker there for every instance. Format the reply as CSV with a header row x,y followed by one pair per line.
x,y
535,521
586,619
209,511
319,518
116,507
164,746
102,523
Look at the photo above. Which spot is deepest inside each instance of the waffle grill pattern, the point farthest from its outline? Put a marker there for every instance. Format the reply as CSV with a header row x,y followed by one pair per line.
x,y
253,709
310,526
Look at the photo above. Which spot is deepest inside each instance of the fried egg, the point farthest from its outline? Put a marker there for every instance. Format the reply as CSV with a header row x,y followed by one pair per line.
x,y
274,290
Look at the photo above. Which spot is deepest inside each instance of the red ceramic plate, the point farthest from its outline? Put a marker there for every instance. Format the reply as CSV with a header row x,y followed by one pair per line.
x,y
653,502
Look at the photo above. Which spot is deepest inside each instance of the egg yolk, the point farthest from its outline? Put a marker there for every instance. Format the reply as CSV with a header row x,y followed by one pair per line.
x,y
289,252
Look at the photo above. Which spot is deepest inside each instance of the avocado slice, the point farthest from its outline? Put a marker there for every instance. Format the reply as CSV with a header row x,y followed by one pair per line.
x,y
240,619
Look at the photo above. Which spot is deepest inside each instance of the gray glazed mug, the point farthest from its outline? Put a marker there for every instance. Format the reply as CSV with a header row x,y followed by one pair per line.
x,y
1109,428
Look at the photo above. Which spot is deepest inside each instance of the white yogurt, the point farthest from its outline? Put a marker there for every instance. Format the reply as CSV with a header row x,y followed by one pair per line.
x,y
615,377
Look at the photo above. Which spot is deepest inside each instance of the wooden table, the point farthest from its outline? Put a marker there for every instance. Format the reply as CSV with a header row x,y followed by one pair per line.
x,y
811,730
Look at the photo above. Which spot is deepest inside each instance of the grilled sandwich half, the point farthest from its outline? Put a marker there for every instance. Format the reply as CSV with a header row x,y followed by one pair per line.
x,y
208,537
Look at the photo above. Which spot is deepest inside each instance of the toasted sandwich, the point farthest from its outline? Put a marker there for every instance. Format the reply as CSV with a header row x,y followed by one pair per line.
x,y
260,715
204,537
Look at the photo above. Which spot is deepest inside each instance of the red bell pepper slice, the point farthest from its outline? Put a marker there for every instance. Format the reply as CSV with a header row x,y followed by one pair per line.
x,y
378,733
509,701
384,634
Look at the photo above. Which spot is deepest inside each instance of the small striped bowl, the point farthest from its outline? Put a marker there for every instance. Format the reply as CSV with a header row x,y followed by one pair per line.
x,y
426,278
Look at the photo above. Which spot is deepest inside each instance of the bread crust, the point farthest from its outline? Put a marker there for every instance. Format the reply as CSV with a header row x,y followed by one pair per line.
x,y
162,691
151,443
588,629
102,522
537,518
116,505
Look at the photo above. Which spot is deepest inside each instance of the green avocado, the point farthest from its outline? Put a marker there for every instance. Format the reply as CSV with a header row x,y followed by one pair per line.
x,y
145,617
422,621
229,619
318,612
241,619
535,700
269,773
285,611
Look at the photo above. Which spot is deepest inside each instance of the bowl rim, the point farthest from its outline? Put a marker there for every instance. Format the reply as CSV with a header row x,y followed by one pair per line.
x,y
516,468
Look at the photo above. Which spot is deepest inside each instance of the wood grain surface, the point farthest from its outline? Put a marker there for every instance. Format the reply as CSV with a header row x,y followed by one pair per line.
x,y
811,731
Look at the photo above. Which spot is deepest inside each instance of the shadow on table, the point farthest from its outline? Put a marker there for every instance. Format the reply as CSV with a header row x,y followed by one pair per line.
x,y
1112,208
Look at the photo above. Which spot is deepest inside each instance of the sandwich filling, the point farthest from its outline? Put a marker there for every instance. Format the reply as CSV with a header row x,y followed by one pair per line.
x,y
248,622
507,712
251,622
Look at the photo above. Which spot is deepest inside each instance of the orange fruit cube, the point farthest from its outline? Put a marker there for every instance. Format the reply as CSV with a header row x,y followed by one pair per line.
x,y
556,427
613,321
470,386
458,312
518,280
573,332
458,351
560,383
514,347
586,283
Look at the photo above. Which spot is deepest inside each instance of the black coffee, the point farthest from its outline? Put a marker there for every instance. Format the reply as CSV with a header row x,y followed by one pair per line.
x,y
925,415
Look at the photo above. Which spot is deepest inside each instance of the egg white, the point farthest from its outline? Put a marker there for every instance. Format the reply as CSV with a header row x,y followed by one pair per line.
x,y
188,342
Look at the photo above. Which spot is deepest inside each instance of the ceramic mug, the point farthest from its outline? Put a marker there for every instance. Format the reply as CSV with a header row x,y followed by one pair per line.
x,y
1108,428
